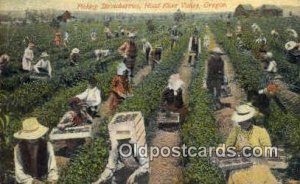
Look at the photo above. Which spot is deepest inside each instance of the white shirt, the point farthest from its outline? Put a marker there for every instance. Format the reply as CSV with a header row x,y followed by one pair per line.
x,y
272,67
91,96
46,65
146,45
23,178
27,58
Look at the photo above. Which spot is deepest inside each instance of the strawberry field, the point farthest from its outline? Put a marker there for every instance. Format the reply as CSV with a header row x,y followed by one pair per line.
x,y
21,97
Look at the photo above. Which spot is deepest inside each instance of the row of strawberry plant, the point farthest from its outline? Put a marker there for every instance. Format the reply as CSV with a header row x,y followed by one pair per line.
x,y
200,130
283,127
49,113
289,71
58,56
146,99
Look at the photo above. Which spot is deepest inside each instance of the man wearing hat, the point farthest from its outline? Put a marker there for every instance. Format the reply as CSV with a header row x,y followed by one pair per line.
x,y
133,168
4,60
93,35
174,36
155,56
215,75
28,58
33,155
43,65
129,52
293,51
74,57
243,134
194,47
91,96
147,47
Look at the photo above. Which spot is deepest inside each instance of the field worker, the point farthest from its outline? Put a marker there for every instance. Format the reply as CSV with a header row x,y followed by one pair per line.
x,y
28,58
245,134
58,39
43,66
174,36
76,116
147,47
215,75
172,96
194,47
133,169
238,30
66,39
33,155
155,56
292,33
129,52
266,58
74,57
120,88
293,51
93,35
274,33
261,42
4,60
206,41
108,32
92,97
272,65
100,53
256,29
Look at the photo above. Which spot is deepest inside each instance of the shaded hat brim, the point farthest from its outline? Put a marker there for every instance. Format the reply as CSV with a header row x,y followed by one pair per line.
x,y
41,131
237,118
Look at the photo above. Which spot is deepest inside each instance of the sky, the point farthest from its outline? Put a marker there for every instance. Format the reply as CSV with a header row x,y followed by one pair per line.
x,y
149,6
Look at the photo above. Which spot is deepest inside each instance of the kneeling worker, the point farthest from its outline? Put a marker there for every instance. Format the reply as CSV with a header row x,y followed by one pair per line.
x,y
34,155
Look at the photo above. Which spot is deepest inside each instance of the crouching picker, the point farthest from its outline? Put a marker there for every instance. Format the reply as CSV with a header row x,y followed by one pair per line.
x,y
127,135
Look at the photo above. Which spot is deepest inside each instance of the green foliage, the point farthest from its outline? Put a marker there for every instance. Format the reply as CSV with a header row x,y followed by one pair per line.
x,y
146,99
200,130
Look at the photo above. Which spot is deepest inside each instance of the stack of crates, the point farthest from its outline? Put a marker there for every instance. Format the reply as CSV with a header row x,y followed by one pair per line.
x,y
128,124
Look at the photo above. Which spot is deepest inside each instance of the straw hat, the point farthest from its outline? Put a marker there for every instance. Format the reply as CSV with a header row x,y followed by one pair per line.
x,y
30,45
243,113
144,40
131,35
121,69
31,129
75,51
290,45
269,55
44,54
217,50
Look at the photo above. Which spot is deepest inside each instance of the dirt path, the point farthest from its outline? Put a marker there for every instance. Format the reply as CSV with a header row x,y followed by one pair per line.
x,y
223,116
168,170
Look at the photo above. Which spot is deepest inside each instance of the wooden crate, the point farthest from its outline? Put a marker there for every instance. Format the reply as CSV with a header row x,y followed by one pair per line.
x,y
78,132
128,124
163,120
228,164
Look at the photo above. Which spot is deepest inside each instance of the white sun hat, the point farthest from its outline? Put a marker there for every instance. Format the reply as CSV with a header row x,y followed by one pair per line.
x,y
217,50
121,68
269,55
131,35
75,51
243,113
31,129
44,54
290,45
